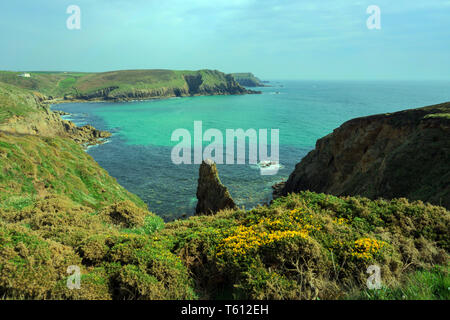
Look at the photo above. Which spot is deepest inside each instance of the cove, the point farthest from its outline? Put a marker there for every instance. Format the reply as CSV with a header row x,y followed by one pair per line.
x,y
138,154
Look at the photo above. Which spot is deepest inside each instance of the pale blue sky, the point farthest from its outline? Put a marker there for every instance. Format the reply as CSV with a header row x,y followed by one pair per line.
x,y
285,39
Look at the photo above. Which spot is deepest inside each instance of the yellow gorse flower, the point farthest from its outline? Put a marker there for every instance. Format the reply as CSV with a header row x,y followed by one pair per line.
x,y
246,239
341,221
366,248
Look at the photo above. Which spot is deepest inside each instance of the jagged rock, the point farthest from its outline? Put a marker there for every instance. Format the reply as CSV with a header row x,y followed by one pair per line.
x,y
402,154
212,195
278,189
86,135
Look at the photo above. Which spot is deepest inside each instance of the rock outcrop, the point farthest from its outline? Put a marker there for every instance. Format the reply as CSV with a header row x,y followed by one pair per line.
x,y
403,154
86,135
212,195
44,122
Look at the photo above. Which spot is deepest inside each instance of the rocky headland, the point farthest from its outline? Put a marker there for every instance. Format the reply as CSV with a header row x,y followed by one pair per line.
x,y
401,154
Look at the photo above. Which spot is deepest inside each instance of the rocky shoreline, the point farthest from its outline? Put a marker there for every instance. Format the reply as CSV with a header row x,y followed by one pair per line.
x,y
48,123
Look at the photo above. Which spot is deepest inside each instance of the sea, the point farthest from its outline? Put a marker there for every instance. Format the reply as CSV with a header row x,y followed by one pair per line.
x,y
139,153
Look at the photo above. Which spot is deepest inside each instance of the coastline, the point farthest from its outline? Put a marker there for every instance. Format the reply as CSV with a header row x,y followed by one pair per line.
x,y
118,100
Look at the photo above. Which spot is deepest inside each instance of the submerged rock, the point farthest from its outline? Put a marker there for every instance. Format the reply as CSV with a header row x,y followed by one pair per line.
x,y
212,195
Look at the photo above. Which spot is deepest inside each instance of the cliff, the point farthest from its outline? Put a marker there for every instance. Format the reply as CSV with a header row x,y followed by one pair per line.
x,y
248,80
403,154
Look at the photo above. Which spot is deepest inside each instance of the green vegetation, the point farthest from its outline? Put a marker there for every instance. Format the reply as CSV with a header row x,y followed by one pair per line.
x,y
309,245
59,208
33,167
304,246
419,285
438,115
41,241
15,102
48,83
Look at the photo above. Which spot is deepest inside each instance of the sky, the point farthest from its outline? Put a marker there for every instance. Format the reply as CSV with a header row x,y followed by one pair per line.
x,y
284,39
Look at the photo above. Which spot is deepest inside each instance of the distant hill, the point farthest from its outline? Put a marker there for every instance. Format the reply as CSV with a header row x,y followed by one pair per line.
x,y
126,84
248,80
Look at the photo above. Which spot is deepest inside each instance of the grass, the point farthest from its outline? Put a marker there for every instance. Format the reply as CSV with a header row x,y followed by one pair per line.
x,y
32,167
431,284
438,115
15,102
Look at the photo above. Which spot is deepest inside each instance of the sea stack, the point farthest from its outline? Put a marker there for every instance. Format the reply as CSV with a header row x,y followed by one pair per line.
x,y
212,195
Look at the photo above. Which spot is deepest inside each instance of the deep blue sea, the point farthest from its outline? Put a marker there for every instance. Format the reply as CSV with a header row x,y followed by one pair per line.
x,y
138,154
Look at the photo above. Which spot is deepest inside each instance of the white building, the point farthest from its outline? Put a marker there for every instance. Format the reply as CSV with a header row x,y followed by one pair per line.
x,y
25,75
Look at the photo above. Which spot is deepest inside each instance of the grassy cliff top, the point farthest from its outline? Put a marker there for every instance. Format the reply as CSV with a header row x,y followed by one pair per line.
x,y
58,84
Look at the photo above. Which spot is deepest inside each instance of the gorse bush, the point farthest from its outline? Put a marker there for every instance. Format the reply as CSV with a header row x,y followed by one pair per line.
x,y
303,246
307,246
38,243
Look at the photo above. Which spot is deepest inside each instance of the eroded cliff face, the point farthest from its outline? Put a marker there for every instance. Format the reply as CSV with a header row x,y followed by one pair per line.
x,y
46,123
403,154
212,195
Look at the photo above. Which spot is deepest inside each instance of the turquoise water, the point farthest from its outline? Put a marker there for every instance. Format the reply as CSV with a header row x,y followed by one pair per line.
x,y
138,154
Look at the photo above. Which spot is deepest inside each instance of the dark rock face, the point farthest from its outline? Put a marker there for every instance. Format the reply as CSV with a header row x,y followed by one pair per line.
x,y
194,83
403,154
212,195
